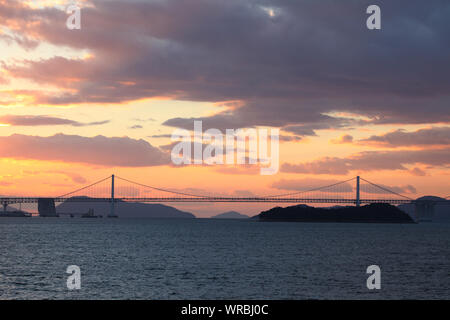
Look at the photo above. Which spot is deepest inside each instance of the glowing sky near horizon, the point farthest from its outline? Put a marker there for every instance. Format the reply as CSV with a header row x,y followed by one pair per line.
x,y
352,101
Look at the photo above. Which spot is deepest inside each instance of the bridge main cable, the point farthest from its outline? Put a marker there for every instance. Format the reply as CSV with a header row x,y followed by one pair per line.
x,y
163,190
310,190
387,190
206,197
83,188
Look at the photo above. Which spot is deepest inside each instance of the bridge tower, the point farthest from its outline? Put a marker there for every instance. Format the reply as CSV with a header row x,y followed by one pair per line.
x,y
112,213
358,199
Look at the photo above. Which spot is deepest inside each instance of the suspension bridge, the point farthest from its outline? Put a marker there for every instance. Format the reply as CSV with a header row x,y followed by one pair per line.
x,y
114,190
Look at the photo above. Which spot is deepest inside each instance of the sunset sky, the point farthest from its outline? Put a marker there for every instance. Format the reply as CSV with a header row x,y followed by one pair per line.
x,y
79,105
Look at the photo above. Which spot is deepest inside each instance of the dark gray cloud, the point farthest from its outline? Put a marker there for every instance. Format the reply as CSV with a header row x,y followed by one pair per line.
x,y
25,120
289,138
290,70
438,136
294,120
98,150
371,161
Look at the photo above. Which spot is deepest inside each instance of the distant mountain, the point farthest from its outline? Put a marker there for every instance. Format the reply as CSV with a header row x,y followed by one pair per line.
x,y
230,215
10,208
122,209
432,198
441,210
13,212
372,213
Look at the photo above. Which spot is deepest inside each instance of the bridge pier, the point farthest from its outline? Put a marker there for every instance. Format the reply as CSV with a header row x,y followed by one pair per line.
x,y
46,207
424,211
112,214
5,206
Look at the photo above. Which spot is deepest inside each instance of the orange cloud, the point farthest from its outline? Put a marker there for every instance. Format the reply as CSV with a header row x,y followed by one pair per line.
x,y
99,150
417,172
346,138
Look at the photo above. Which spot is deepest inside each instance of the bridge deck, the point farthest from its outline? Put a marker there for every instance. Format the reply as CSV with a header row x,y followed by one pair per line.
x,y
12,200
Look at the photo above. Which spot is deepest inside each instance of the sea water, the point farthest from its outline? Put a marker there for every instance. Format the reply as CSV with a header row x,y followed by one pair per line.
x,y
221,259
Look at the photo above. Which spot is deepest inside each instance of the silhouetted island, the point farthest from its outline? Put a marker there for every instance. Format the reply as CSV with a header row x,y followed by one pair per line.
x,y
372,213
230,215
15,214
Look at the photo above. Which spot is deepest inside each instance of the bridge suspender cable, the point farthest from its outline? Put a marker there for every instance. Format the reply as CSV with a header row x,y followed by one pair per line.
x,y
83,188
387,190
271,197
310,190
164,190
